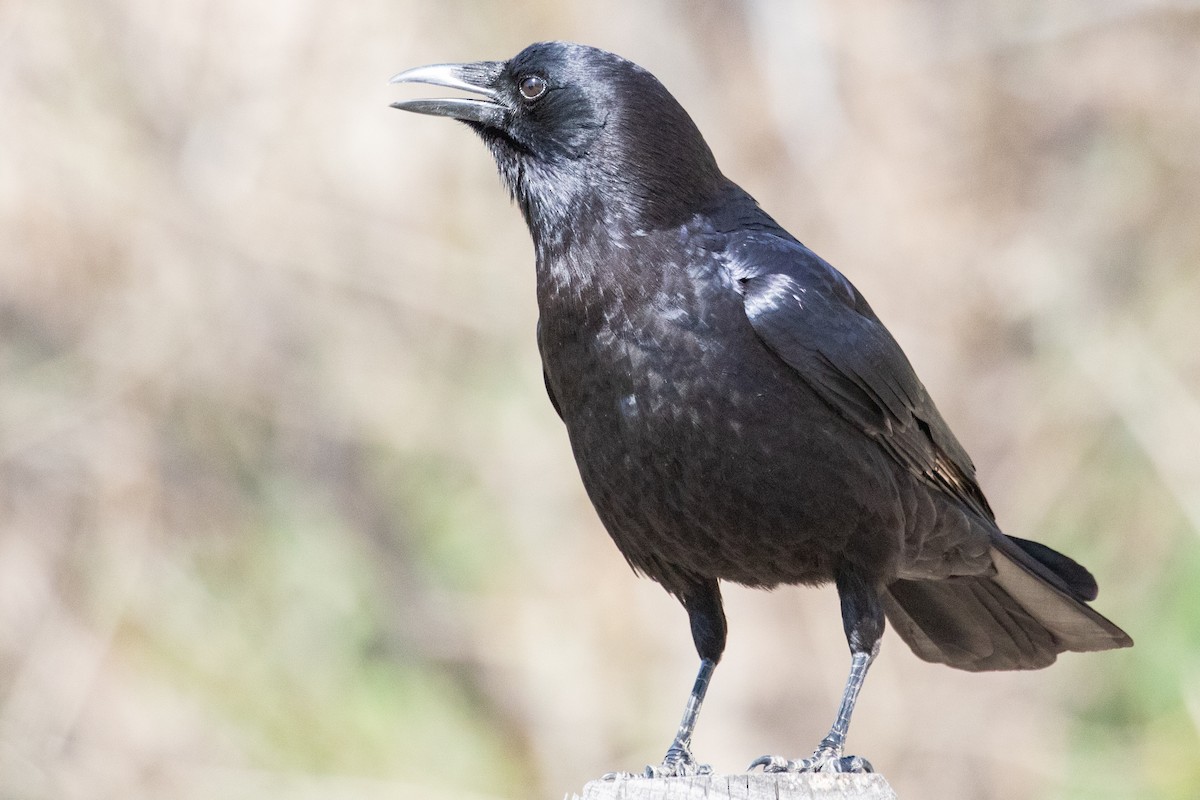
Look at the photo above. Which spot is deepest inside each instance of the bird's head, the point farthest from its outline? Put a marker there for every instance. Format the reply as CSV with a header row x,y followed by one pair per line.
x,y
579,132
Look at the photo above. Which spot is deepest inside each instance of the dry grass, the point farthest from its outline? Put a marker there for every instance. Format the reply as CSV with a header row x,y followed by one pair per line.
x,y
283,511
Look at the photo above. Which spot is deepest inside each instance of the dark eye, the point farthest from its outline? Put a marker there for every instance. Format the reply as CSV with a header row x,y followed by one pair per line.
x,y
532,87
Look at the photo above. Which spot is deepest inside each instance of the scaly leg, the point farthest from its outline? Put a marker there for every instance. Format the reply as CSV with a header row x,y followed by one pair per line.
x,y
679,759
707,617
863,620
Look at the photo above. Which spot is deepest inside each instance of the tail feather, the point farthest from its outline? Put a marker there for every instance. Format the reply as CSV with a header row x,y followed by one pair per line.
x,y
1069,571
1020,616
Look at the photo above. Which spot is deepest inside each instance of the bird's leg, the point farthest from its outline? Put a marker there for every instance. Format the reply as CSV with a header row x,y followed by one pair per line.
x,y
862,617
828,755
703,604
679,759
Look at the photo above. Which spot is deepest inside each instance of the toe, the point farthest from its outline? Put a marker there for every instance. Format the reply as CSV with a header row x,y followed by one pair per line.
x,y
855,764
774,764
820,762
677,766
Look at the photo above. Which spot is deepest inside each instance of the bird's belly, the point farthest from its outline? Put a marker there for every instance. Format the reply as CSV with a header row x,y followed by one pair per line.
x,y
726,469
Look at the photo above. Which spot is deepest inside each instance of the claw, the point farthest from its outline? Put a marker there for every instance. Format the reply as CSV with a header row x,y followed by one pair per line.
x,y
821,761
854,764
678,763
774,764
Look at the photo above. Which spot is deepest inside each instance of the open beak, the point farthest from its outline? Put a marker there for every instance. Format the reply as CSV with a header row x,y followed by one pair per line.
x,y
479,77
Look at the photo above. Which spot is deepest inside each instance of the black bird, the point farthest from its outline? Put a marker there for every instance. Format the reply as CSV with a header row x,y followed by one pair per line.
x,y
736,409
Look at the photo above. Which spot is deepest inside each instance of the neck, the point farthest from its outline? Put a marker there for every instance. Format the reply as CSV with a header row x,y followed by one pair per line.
x,y
563,210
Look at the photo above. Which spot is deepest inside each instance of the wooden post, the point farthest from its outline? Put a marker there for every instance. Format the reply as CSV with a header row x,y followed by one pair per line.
x,y
746,786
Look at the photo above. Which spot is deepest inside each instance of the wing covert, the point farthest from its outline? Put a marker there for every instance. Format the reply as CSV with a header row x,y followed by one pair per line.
x,y
818,323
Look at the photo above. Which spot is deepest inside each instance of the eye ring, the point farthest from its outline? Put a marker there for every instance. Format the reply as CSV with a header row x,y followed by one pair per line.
x,y
532,87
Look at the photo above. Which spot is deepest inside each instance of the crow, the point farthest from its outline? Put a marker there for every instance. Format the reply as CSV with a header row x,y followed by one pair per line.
x,y
736,409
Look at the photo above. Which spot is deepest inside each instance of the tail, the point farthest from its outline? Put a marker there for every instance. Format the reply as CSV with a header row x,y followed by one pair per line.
x,y
1020,616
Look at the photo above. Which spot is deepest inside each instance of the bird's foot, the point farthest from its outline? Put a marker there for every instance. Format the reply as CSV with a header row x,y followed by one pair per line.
x,y
678,763
824,759
676,769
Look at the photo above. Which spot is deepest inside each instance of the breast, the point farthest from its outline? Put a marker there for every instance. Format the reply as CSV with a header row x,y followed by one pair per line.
x,y
702,451
704,455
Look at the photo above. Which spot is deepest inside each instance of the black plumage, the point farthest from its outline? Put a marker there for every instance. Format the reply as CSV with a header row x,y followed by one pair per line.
x,y
736,409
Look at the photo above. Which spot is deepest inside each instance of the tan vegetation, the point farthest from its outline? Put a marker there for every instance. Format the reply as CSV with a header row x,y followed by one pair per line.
x,y
283,509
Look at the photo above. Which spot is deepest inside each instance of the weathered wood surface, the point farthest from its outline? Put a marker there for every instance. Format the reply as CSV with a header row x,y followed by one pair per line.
x,y
750,786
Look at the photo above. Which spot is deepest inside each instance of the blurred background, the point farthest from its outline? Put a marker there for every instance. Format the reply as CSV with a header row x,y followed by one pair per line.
x,y
284,511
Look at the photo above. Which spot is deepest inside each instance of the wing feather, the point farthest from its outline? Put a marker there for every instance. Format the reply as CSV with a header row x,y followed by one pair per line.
x,y
817,322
